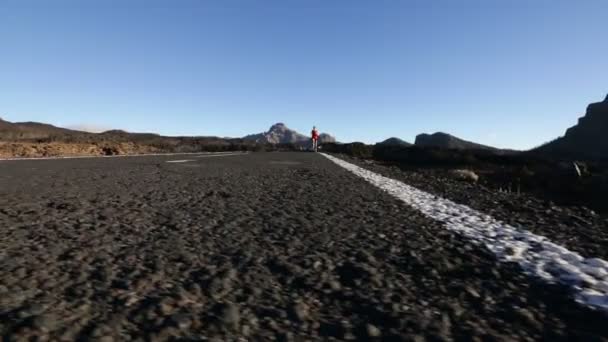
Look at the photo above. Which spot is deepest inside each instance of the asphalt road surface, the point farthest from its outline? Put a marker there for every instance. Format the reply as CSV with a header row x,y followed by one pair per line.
x,y
258,246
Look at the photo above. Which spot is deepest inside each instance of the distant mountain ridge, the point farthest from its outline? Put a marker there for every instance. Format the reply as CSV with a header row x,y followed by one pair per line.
x,y
32,139
279,133
587,139
41,132
30,130
393,141
444,140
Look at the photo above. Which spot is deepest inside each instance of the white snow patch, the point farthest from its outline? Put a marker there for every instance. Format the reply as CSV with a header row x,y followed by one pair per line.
x,y
587,277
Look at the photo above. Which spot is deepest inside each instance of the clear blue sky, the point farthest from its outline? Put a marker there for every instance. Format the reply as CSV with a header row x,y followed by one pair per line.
x,y
509,73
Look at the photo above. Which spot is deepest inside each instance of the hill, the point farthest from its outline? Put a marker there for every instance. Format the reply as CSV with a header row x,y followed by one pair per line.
x,y
34,139
588,139
394,142
444,140
31,130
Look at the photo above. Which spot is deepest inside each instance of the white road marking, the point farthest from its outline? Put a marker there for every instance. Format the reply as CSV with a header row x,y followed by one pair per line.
x,y
587,277
180,161
223,154
202,154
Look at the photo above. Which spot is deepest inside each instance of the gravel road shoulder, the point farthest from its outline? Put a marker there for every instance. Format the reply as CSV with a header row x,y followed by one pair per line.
x,y
578,229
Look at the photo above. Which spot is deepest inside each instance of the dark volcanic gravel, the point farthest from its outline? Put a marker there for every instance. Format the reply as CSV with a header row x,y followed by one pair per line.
x,y
263,246
576,228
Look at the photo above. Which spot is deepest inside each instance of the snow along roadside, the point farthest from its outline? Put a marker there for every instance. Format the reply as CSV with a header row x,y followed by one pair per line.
x,y
587,277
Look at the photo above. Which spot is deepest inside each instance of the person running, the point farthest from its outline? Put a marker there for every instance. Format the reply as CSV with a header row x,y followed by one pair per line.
x,y
315,138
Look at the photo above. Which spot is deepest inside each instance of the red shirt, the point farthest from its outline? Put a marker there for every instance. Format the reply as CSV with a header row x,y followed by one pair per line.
x,y
315,134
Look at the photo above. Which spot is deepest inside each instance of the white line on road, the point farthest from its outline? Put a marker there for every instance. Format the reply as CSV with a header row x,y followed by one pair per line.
x,y
222,155
180,161
587,277
202,154
206,156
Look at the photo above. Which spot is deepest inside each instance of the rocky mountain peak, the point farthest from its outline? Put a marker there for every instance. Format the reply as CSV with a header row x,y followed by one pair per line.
x,y
278,127
279,133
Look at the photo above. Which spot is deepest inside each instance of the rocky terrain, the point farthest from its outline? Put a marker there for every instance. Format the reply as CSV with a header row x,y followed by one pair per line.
x,y
570,183
33,139
281,134
586,140
542,217
259,247
57,149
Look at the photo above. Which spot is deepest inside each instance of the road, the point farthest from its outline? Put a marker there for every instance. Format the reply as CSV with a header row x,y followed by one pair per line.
x,y
260,246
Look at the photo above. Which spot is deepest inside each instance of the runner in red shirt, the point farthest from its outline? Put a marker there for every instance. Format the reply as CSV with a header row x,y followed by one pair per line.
x,y
315,138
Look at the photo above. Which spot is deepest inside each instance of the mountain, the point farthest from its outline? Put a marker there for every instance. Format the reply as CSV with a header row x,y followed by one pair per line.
x,y
5,125
588,139
35,131
444,140
41,132
394,142
32,139
279,133
31,130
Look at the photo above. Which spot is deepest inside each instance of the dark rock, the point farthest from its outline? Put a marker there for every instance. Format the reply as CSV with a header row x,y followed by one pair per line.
x,y
335,285
529,318
286,336
372,330
20,272
230,315
33,310
182,321
301,311
46,322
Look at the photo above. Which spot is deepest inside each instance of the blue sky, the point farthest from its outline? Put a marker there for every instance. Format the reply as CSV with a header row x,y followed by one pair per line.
x,y
510,73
